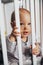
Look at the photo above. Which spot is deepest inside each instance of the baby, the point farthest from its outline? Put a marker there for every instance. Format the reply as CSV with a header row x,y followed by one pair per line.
x,y
25,31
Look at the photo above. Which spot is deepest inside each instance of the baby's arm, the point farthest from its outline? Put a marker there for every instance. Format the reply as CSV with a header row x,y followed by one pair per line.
x,y
11,48
10,45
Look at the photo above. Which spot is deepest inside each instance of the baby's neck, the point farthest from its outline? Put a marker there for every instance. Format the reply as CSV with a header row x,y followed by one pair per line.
x,y
24,39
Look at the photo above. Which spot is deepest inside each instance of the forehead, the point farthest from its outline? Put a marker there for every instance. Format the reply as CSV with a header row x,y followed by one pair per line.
x,y
25,16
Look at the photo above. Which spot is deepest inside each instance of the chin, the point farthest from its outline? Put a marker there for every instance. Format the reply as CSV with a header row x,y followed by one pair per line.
x,y
25,36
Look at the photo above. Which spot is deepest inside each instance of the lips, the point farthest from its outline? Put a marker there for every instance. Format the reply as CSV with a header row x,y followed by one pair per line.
x,y
25,32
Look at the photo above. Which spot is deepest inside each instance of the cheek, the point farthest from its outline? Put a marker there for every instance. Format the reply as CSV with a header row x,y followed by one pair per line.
x,y
21,29
29,29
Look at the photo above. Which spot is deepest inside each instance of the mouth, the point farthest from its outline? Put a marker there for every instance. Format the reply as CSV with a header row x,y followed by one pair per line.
x,y
25,33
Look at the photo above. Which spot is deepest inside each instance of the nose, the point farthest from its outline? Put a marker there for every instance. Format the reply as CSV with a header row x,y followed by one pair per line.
x,y
25,27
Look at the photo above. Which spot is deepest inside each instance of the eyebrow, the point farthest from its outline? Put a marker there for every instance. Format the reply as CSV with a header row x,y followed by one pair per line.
x,y
22,22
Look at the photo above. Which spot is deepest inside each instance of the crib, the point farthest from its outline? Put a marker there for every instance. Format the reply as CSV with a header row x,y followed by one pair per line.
x,y
35,7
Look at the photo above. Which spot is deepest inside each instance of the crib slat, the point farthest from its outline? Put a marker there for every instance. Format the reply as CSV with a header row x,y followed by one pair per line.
x,y
37,13
20,3
27,4
3,40
24,4
18,25
33,30
41,29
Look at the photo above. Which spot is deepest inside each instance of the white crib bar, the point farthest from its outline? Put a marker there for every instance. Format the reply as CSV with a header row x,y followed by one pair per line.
x,y
27,4
37,13
18,25
24,4
20,4
33,30
3,40
5,19
41,30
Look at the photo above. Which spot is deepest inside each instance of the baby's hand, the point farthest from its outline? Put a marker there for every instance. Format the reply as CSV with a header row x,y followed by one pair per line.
x,y
15,32
36,50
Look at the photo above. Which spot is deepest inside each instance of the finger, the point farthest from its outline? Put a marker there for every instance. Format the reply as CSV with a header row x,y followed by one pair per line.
x,y
17,32
35,52
15,27
37,43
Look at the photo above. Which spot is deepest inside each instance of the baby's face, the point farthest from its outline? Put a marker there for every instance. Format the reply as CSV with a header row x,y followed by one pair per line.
x,y
25,25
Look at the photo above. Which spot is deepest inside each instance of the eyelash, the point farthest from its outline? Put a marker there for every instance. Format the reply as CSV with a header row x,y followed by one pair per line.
x,y
23,24
29,23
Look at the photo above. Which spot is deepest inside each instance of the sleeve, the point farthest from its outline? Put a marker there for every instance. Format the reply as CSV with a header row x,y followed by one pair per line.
x,y
10,46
